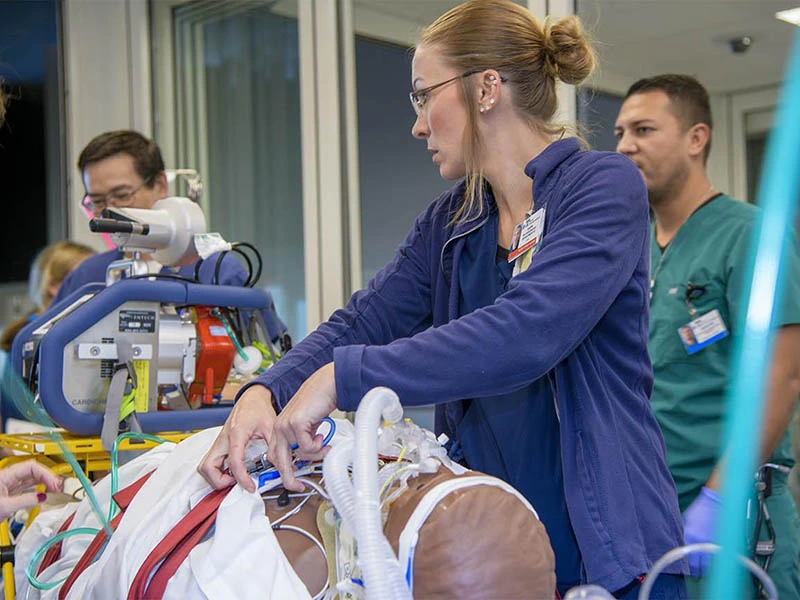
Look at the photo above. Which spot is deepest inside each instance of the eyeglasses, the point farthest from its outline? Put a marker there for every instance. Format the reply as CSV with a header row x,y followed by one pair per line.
x,y
419,98
97,203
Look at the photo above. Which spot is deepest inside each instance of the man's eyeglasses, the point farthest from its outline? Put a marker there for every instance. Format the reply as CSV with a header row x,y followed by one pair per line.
x,y
97,203
419,98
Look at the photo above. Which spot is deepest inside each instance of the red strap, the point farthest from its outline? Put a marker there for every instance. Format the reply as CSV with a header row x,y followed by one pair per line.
x,y
99,541
88,557
125,496
181,539
158,583
54,552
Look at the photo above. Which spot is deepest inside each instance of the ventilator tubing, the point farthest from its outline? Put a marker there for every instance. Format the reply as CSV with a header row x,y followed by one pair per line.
x,y
337,481
360,509
383,577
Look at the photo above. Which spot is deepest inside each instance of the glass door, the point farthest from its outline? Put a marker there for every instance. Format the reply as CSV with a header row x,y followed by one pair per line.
x,y
230,108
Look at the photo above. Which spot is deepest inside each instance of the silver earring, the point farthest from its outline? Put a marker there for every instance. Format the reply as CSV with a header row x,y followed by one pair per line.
x,y
491,100
481,109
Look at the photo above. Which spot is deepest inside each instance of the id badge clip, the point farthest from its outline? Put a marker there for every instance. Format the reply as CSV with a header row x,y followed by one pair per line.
x,y
525,241
702,331
526,235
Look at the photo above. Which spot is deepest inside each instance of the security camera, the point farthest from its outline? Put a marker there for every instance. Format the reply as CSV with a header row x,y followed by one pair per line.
x,y
740,44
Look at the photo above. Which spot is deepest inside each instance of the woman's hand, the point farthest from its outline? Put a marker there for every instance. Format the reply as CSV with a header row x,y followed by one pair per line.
x,y
21,476
253,416
298,422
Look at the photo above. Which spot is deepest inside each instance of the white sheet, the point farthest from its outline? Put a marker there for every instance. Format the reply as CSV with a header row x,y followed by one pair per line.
x,y
241,560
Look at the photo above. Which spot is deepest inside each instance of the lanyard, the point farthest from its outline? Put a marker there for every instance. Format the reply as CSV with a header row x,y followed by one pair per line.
x,y
660,262
658,265
672,241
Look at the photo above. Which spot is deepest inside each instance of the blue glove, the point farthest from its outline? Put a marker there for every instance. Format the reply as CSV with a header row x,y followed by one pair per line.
x,y
699,526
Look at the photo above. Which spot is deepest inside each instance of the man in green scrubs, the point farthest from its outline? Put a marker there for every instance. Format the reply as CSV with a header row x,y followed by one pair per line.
x,y
699,249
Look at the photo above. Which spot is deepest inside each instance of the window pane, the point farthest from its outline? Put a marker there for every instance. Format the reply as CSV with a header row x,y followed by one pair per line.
x,y
238,108
597,113
397,178
31,152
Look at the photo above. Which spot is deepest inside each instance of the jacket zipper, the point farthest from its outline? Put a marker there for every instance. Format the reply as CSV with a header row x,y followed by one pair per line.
x,y
460,235
551,381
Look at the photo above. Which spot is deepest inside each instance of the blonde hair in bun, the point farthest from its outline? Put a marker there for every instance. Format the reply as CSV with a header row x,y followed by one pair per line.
x,y
530,55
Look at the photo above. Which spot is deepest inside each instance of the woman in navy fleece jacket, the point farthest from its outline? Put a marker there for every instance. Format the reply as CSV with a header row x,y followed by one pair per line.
x,y
538,365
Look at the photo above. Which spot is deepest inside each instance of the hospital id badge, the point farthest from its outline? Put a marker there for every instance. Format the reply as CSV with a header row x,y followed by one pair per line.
x,y
526,235
702,331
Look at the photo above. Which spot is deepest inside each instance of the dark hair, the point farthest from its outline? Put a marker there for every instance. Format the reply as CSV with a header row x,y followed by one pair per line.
x,y
145,153
687,96
531,54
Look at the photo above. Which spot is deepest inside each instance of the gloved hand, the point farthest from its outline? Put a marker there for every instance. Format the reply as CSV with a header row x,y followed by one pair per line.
x,y
699,526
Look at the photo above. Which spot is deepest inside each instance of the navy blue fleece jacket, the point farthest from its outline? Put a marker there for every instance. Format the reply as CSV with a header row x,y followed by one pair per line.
x,y
577,316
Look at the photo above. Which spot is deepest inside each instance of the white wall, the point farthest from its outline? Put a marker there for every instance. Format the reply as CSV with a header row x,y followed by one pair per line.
x,y
107,84
718,166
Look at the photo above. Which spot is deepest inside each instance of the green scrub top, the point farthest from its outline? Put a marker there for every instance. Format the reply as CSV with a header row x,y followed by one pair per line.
x,y
709,251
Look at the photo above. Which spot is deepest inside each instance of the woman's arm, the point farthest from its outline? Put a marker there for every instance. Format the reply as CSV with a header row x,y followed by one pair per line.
x,y
395,304
590,251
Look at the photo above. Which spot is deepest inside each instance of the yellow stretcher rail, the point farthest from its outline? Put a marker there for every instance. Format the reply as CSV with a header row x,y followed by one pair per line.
x,y
88,452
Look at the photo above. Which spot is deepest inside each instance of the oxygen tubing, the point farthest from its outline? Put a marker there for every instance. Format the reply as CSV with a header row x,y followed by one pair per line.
x,y
112,506
229,330
20,395
30,569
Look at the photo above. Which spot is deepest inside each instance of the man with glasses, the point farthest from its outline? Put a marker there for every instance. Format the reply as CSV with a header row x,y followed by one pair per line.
x,y
124,169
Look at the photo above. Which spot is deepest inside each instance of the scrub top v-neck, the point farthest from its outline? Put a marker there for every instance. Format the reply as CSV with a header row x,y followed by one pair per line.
x,y
523,422
708,253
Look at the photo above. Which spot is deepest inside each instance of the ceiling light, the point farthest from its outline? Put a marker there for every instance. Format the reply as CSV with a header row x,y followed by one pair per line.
x,y
790,16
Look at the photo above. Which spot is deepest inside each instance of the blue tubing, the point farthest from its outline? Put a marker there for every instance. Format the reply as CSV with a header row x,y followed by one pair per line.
x,y
777,195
